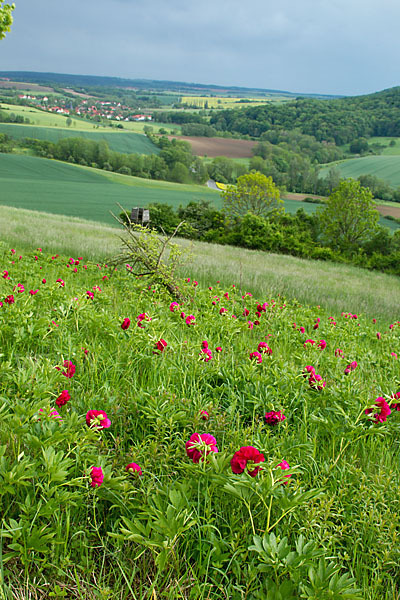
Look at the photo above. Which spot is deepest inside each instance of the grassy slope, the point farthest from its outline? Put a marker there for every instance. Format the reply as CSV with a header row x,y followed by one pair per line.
x,y
335,287
61,188
202,514
384,167
117,140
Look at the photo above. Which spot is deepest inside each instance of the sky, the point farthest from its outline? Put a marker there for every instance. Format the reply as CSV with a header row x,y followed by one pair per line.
x,y
346,47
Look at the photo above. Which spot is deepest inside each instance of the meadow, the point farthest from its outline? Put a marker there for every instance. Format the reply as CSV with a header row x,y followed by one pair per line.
x,y
128,143
388,150
336,287
386,167
238,445
60,188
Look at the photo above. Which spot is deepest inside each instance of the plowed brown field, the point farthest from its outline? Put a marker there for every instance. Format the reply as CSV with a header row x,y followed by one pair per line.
x,y
218,146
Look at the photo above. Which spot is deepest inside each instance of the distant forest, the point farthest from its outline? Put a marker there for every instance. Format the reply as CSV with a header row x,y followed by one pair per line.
x,y
340,120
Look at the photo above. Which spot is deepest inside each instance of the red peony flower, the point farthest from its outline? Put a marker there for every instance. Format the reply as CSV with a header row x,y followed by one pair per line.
x,y
284,465
205,354
315,381
351,367
70,369
273,417
204,415
160,346
322,344
97,419
264,348
199,445
256,356
63,398
247,457
133,469
96,476
9,299
395,405
380,417
125,323
309,370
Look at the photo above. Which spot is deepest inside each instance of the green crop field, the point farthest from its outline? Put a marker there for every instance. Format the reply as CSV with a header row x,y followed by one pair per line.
x,y
384,167
117,140
61,188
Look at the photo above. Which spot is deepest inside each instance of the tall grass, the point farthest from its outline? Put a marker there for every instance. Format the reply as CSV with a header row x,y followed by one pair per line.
x,y
333,286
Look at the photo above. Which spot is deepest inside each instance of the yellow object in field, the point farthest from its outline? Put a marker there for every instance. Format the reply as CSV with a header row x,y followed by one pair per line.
x,y
221,186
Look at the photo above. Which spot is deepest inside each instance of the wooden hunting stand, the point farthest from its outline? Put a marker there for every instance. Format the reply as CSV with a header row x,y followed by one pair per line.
x,y
140,216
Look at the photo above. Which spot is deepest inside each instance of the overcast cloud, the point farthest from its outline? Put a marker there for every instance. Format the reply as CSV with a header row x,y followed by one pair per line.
x,y
319,46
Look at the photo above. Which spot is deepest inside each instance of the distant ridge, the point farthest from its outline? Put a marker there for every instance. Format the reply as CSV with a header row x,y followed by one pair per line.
x,y
146,84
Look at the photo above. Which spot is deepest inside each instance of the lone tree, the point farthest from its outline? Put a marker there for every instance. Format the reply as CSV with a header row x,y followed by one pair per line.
x,y
255,193
349,217
6,18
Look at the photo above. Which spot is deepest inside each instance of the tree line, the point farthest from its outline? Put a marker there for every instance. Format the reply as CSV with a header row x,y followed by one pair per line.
x,y
174,162
291,171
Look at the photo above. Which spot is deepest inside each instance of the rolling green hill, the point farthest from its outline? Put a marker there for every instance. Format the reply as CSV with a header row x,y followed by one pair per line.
x,y
384,167
120,141
60,188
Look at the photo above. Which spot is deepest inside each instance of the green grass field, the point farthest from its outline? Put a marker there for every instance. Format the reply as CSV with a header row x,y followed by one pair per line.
x,y
126,142
61,188
384,167
385,141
